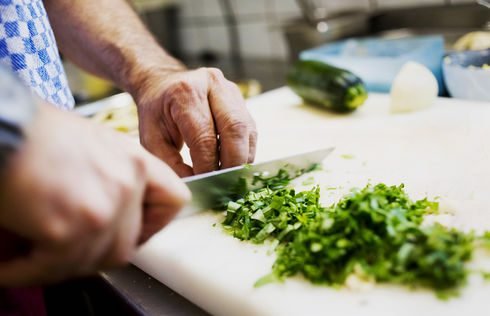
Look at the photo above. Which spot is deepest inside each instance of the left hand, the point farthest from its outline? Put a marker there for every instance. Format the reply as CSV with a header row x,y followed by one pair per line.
x,y
201,108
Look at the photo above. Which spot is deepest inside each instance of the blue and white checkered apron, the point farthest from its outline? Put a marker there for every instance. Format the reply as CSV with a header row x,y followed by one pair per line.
x,y
28,47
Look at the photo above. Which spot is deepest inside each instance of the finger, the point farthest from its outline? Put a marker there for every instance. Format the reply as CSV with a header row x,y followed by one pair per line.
x,y
175,161
105,250
40,267
20,272
171,156
232,120
33,225
163,185
127,228
155,218
189,109
156,138
96,252
252,141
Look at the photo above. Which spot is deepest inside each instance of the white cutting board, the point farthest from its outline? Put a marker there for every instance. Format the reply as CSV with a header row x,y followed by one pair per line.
x,y
441,152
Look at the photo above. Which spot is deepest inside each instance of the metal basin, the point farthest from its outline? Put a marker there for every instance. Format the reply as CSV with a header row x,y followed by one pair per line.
x,y
450,21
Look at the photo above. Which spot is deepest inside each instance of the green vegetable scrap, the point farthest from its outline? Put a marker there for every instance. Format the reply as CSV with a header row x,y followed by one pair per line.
x,y
486,240
486,275
279,181
347,156
309,181
244,185
374,233
377,229
270,213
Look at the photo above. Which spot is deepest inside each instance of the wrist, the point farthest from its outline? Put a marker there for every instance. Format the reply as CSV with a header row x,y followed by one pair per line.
x,y
138,75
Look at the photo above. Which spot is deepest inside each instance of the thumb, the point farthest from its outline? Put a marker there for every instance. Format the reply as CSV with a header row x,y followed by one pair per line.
x,y
165,195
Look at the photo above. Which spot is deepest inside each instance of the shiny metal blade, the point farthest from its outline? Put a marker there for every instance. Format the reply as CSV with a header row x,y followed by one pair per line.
x,y
209,189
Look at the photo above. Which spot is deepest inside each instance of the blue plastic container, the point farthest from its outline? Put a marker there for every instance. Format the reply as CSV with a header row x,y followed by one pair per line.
x,y
377,61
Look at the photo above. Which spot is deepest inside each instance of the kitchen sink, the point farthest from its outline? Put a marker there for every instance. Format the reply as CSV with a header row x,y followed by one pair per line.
x,y
452,22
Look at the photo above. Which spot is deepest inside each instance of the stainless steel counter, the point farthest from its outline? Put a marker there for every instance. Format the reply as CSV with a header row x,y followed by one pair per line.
x,y
147,296
125,291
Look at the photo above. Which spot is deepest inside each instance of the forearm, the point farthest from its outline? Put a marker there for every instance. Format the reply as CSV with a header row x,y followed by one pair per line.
x,y
107,38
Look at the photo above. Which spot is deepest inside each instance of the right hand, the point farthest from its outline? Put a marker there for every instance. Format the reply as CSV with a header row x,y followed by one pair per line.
x,y
83,197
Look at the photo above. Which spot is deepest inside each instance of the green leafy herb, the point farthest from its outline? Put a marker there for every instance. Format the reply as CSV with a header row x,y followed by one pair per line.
x,y
347,156
267,279
268,213
379,229
486,240
486,275
279,181
244,185
375,232
309,181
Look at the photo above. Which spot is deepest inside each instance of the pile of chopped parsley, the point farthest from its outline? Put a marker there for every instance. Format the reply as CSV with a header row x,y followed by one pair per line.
x,y
375,233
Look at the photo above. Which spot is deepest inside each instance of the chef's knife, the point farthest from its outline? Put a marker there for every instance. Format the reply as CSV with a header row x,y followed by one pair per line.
x,y
209,189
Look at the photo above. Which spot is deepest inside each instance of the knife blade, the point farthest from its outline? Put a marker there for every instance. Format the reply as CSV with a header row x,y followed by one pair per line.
x,y
208,189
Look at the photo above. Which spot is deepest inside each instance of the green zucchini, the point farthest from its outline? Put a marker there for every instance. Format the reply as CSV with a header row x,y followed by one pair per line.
x,y
324,85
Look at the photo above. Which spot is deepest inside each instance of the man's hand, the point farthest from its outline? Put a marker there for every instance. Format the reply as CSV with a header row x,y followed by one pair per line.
x,y
201,108
82,198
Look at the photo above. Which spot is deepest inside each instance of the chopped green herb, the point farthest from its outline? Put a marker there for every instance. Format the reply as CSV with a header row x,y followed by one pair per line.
x,y
486,240
309,181
313,167
282,179
376,231
486,275
267,279
243,185
377,228
347,156
267,213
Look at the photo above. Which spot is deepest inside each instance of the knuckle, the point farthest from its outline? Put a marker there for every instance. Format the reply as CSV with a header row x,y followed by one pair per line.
x,y
180,87
236,128
253,128
182,98
55,231
254,134
125,188
204,149
98,218
234,87
215,74
126,182
204,141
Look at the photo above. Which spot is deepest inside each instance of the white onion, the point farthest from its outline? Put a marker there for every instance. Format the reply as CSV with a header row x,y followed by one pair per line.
x,y
414,88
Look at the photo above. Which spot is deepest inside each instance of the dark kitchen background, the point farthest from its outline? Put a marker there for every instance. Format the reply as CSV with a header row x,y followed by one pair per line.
x,y
253,41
